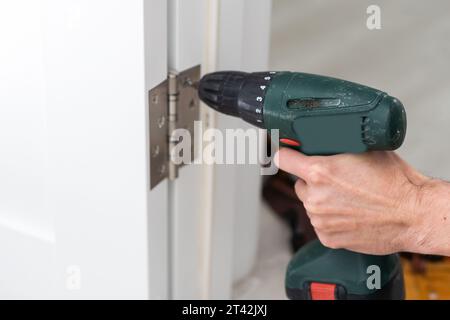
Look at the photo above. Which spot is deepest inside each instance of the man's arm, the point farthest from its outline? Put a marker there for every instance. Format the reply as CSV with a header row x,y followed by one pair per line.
x,y
372,203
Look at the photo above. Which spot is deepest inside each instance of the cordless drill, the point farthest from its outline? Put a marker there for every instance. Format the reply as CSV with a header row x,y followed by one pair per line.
x,y
319,115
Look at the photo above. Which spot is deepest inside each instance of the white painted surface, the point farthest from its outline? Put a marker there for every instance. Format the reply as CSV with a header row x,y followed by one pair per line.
x,y
244,45
155,50
73,166
185,51
209,118
247,206
26,233
209,232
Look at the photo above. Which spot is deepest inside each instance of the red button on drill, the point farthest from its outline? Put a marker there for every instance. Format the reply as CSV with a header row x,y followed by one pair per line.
x,y
290,142
322,291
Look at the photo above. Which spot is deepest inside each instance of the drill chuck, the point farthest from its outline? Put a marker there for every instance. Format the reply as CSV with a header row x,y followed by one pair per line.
x,y
236,93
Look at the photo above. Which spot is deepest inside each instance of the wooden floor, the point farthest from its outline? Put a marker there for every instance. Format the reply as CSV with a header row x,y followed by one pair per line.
x,y
434,284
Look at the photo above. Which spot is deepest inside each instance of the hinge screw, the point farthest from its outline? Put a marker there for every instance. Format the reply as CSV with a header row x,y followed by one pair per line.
x,y
161,121
155,152
192,104
162,169
187,82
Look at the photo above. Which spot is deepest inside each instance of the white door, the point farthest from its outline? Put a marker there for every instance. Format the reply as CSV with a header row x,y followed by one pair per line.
x,y
77,217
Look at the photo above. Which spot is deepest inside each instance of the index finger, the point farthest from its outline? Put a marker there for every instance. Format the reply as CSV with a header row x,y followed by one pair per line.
x,y
294,162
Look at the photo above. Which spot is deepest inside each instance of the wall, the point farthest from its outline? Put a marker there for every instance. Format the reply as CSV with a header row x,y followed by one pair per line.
x,y
408,58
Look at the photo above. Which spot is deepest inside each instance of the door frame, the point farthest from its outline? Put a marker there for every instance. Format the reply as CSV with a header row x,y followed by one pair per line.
x,y
210,222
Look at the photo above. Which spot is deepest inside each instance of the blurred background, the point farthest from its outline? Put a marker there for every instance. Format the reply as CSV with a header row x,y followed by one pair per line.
x,y
408,58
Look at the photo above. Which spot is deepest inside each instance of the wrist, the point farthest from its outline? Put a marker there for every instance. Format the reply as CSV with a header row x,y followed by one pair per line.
x,y
428,208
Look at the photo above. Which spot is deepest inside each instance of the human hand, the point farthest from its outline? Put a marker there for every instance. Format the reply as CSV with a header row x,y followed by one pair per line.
x,y
364,202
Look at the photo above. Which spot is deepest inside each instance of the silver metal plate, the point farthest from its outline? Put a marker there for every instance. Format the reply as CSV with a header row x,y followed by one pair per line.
x,y
187,113
158,134
188,102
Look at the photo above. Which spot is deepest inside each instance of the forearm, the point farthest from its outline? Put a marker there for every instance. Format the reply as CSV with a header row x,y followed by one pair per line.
x,y
429,231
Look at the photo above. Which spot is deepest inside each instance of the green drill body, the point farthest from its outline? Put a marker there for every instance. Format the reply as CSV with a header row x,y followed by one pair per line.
x,y
330,116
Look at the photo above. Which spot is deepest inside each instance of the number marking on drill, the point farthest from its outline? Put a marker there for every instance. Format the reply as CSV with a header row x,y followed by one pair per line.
x,y
266,78
258,110
259,99
262,87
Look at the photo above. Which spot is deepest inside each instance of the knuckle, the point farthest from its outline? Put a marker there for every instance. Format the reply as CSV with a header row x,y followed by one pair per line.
x,y
310,207
298,187
319,223
316,203
323,224
318,173
316,200
315,177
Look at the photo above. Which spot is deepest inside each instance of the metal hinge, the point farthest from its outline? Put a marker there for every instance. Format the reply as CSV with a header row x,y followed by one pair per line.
x,y
173,104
